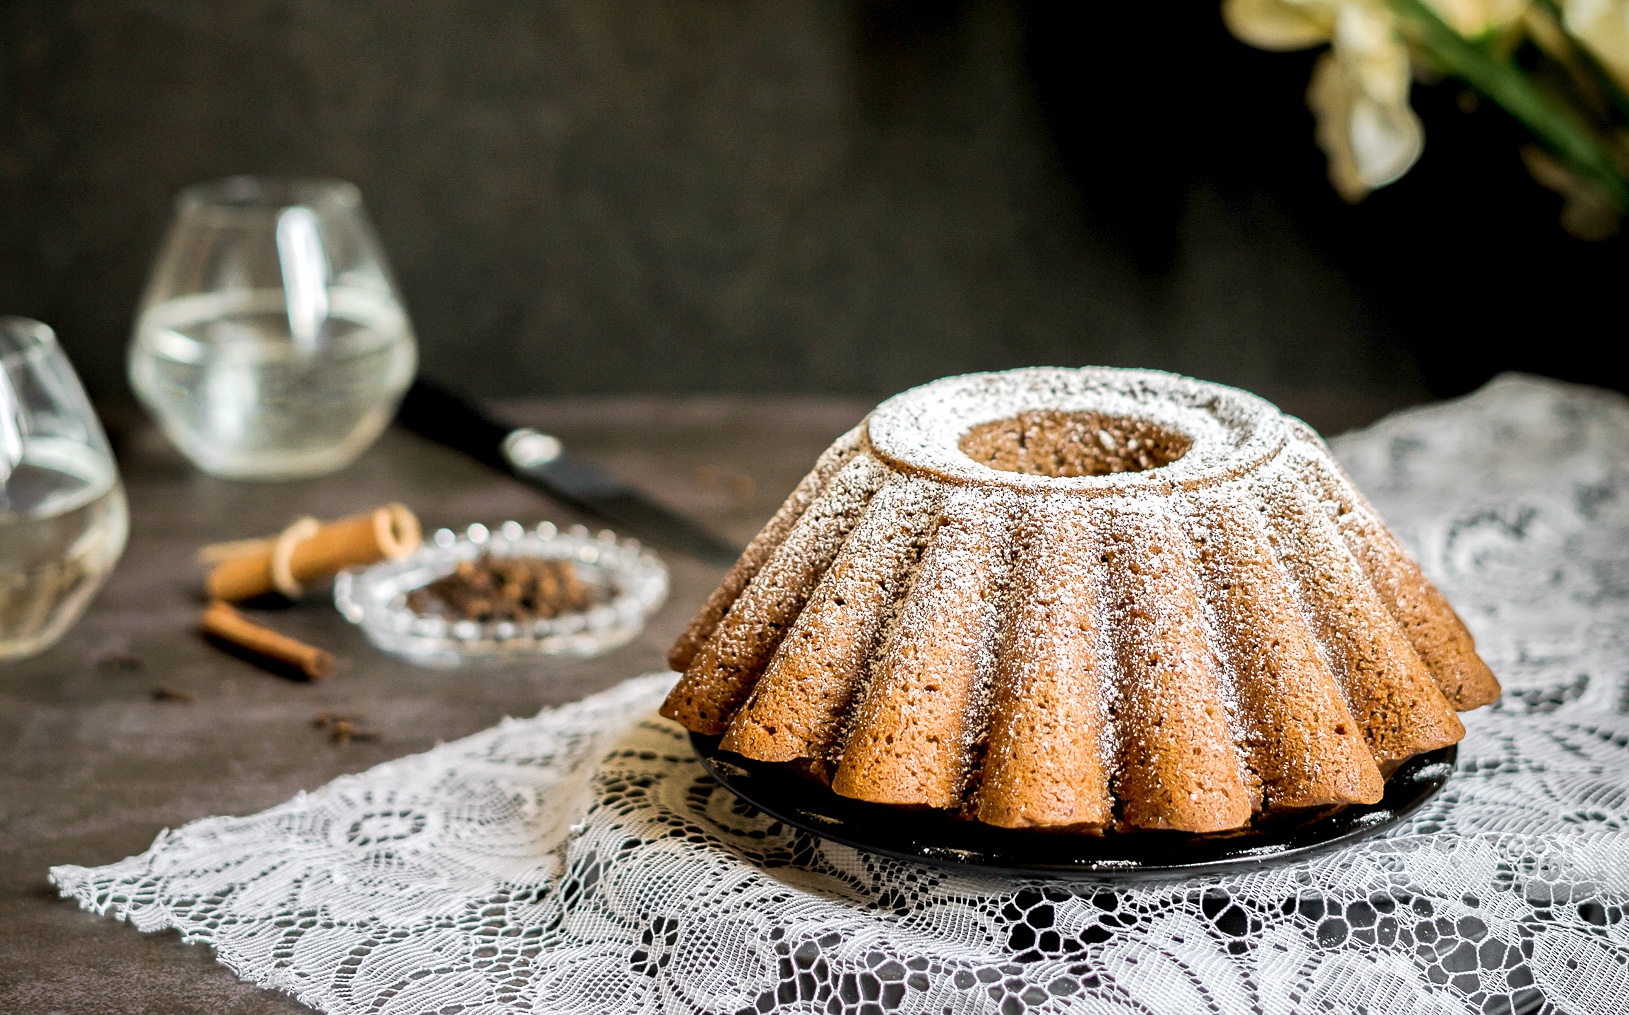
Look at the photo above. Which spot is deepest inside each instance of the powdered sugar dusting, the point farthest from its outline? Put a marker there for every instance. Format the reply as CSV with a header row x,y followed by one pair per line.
x,y
1230,430
924,714
801,705
1220,577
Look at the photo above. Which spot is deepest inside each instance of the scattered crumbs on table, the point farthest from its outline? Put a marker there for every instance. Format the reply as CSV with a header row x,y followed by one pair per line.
x,y
163,692
342,729
116,663
516,589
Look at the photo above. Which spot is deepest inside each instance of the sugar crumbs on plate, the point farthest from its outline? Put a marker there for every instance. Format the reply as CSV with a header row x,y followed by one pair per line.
x,y
516,589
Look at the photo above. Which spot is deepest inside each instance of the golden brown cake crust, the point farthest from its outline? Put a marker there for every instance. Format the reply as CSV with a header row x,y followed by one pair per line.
x,y
1390,692
1079,600
797,709
1178,766
1300,739
730,662
914,734
1051,443
1047,762
1432,627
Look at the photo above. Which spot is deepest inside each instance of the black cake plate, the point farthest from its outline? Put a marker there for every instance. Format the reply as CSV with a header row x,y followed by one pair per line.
x,y
936,837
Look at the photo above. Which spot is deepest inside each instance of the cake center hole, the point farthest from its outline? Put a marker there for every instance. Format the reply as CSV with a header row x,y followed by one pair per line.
x,y
1046,442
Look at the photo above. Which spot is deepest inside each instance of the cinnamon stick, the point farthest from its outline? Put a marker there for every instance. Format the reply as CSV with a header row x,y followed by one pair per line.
x,y
389,532
227,624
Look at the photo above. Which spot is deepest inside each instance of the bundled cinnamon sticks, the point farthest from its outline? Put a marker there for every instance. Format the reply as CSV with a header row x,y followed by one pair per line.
x,y
308,551
304,552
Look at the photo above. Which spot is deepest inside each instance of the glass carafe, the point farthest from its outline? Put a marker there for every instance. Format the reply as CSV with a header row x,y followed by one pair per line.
x,y
271,342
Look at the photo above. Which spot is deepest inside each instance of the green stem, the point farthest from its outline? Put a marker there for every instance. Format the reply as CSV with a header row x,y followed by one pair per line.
x,y
1557,127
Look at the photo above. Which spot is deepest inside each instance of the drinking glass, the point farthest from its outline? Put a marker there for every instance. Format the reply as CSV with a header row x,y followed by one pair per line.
x,y
63,520
271,342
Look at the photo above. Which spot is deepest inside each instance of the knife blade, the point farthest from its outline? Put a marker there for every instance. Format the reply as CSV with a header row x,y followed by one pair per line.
x,y
539,459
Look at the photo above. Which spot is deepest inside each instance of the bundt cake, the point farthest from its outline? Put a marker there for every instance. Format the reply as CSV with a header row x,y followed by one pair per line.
x,y
1078,600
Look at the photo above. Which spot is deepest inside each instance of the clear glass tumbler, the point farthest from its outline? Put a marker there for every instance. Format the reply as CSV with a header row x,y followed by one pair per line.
x,y
63,520
271,342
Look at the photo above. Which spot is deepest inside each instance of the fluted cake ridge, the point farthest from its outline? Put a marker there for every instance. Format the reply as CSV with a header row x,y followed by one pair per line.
x,y
1076,599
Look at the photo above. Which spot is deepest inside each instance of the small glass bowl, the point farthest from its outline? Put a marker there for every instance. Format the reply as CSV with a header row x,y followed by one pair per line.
x,y
375,598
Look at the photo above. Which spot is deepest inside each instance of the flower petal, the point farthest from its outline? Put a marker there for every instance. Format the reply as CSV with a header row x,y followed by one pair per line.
x,y
1329,96
1369,143
1603,27
1386,140
1371,51
1473,18
1279,24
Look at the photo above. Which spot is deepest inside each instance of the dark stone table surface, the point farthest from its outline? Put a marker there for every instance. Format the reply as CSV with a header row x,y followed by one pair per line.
x,y
92,767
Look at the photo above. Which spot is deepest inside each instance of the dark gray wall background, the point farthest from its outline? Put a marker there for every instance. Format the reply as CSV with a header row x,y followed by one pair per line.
x,y
661,196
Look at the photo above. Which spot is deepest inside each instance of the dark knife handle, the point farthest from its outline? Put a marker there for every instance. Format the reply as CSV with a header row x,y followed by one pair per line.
x,y
442,416
434,412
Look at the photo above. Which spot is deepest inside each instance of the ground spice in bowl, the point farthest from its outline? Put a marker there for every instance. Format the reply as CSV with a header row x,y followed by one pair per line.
x,y
488,595
517,589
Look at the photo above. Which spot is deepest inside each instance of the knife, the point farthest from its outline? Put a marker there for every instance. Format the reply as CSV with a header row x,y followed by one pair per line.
x,y
540,460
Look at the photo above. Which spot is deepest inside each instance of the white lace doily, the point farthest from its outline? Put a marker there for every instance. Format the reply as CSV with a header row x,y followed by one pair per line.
x,y
580,861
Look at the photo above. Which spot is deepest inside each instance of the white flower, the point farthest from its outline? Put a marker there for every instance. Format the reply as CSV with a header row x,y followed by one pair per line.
x,y
1359,93
1472,18
1280,24
1370,48
1359,90
1603,27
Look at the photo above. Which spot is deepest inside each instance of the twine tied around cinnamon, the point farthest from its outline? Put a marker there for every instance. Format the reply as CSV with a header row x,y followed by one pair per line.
x,y
309,550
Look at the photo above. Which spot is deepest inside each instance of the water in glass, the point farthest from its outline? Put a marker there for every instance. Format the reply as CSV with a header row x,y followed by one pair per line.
x,y
62,526
63,521
271,343
238,395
